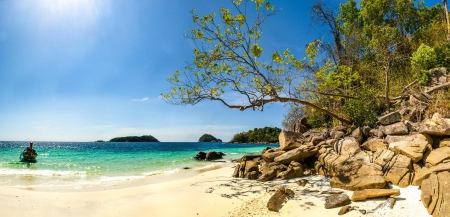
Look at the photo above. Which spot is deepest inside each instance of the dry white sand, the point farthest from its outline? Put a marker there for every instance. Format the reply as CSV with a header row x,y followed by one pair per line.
x,y
211,193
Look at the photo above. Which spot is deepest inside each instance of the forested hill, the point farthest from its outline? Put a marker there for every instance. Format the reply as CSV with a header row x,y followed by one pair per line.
x,y
144,138
208,138
258,135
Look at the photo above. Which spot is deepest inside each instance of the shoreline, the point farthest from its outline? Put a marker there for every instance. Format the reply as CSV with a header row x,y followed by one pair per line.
x,y
208,193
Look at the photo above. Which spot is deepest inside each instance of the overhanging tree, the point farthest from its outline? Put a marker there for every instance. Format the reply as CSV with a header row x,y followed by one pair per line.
x,y
229,58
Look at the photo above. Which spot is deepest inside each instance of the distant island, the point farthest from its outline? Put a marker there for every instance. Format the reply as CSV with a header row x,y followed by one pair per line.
x,y
208,138
258,135
144,138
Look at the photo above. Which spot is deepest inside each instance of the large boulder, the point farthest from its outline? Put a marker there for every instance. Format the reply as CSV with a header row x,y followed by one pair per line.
x,y
399,171
436,126
347,146
200,156
398,128
267,176
390,118
297,154
368,176
281,196
425,172
246,169
437,156
412,146
290,140
358,134
373,144
213,155
436,194
374,193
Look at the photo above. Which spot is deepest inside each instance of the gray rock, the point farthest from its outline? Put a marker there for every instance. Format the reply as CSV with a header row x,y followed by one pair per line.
x,y
390,118
337,200
398,128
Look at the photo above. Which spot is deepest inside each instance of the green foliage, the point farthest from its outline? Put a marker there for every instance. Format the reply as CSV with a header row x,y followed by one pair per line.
x,y
258,135
364,109
144,138
422,61
443,55
208,138
439,104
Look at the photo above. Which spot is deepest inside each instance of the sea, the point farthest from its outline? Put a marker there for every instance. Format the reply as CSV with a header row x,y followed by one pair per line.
x,y
90,165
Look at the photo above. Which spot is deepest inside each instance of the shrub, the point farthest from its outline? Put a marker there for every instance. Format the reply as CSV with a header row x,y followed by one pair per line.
x,y
422,60
364,109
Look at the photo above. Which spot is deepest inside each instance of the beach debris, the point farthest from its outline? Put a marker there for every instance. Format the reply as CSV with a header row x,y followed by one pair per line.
x,y
384,205
302,182
337,200
346,209
374,193
281,196
331,192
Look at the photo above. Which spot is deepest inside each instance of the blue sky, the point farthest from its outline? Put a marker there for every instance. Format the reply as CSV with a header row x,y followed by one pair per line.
x,y
85,70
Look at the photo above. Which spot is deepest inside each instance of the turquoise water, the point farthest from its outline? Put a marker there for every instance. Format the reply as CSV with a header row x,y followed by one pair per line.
x,y
77,165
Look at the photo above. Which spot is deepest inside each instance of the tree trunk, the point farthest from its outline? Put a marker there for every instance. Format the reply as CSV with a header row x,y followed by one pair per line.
x,y
447,18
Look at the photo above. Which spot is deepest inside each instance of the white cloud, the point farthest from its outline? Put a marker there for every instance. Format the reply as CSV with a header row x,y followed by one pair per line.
x,y
140,100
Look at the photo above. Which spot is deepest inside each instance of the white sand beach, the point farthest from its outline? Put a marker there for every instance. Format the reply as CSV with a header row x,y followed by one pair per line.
x,y
210,193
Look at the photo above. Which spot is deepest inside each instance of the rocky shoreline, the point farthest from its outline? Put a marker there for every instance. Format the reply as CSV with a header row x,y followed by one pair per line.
x,y
366,160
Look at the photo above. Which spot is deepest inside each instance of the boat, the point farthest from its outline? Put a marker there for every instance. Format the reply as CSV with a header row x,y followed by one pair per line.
x,y
29,154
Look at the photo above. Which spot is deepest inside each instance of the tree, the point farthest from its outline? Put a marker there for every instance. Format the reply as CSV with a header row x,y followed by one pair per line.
x,y
447,18
228,57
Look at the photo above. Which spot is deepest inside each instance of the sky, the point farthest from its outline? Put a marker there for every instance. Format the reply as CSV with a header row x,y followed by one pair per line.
x,y
87,70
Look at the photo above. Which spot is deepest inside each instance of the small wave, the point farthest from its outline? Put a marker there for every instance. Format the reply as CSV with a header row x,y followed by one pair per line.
x,y
7,172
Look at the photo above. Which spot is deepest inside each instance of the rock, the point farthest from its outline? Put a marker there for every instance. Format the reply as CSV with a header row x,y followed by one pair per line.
x,y
398,128
390,118
412,146
436,126
269,175
374,193
251,170
290,140
444,143
213,155
248,157
302,182
331,192
399,171
265,150
334,134
297,154
383,157
357,134
269,156
275,166
437,156
373,144
344,209
347,146
236,171
366,131
436,194
281,196
317,139
252,175
337,200
425,172
376,133
368,176
294,170
200,156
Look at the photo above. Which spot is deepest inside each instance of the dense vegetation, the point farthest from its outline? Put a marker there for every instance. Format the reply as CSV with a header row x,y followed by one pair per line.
x,y
144,138
208,138
258,135
351,74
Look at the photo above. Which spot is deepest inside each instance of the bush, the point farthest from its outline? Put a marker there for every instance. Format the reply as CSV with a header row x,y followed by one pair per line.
x,y
364,109
439,104
422,61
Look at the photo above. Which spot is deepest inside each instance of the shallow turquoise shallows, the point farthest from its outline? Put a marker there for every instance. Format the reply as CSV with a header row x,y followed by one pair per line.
x,y
75,165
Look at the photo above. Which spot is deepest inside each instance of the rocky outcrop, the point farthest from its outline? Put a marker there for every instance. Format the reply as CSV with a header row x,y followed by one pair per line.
x,y
281,196
374,193
294,170
270,155
425,172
